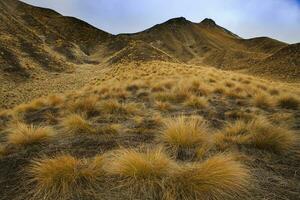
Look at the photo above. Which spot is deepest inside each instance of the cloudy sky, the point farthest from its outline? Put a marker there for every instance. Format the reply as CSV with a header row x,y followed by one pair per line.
x,y
278,19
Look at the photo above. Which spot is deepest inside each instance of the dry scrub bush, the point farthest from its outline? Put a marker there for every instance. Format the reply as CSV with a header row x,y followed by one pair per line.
x,y
64,176
75,123
23,134
258,133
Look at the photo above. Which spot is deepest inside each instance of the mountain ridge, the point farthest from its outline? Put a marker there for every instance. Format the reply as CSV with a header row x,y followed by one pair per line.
x,y
46,40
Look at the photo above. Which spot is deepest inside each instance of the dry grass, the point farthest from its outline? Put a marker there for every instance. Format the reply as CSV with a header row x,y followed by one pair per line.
x,y
196,102
183,132
116,108
220,178
263,100
141,173
163,106
288,102
110,129
63,176
85,105
258,133
23,134
55,100
75,123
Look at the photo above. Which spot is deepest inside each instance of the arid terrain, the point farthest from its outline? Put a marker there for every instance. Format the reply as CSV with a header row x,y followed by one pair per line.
x,y
180,111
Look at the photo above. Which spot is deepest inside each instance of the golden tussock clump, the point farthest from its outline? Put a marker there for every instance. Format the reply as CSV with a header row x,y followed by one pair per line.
x,y
23,134
84,105
141,173
63,176
75,123
163,106
219,177
196,102
110,129
258,133
34,105
263,100
55,100
114,107
184,132
288,102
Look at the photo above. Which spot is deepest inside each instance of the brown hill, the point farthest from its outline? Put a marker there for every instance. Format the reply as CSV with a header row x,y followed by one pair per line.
x,y
285,63
207,43
34,38
37,39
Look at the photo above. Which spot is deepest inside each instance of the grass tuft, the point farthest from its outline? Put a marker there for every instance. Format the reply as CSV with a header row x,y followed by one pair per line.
x,y
23,134
220,177
258,133
63,176
183,132
288,102
75,123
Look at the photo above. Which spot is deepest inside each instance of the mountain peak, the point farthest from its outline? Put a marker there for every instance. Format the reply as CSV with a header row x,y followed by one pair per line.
x,y
208,22
178,20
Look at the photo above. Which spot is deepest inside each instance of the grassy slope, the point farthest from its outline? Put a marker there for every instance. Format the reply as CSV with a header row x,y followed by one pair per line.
x,y
191,115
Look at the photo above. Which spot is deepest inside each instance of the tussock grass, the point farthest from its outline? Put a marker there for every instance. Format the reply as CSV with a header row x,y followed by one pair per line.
x,y
23,134
110,129
184,132
263,100
84,105
163,106
258,133
219,177
55,100
141,173
116,108
196,102
75,123
288,102
32,106
64,176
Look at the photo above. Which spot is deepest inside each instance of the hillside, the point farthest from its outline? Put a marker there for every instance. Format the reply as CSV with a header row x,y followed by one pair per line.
x,y
36,39
285,63
155,130
180,111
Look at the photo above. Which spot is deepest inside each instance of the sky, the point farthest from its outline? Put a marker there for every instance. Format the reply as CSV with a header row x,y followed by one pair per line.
x,y
279,19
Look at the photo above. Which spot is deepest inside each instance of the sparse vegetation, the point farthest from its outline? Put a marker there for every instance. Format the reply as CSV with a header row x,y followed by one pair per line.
x,y
22,134
288,102
184,132
75,123
258,133
64,177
